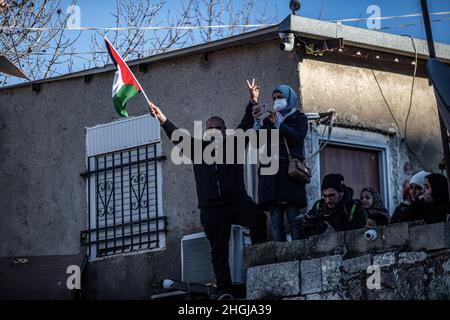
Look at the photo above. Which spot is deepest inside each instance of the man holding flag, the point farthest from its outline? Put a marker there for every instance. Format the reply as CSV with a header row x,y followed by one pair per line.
x,y
222,198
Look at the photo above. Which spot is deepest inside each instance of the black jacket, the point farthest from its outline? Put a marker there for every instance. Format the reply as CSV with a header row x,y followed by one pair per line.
x,y
401,213
280,188
217,184
347,215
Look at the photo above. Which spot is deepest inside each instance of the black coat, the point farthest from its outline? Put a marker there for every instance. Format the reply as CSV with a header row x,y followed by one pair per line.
x,y
280,188
432,212
217,184
429,212
402,213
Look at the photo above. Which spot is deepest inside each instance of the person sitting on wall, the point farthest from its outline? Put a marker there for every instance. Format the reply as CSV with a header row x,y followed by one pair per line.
x,y
377,214
336,209
401,213
433,204
222,199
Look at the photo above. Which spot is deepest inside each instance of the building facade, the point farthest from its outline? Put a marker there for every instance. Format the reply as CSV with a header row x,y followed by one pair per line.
x,y
77,179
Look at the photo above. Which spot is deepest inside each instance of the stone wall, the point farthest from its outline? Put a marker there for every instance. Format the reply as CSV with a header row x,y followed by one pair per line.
x,y
413,262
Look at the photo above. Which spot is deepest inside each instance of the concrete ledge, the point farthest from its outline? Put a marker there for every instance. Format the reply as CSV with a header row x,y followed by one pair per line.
x,y
260,254
430,236
395,237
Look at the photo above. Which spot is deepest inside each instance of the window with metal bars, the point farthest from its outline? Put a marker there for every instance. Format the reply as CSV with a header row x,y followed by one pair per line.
x,y
124,202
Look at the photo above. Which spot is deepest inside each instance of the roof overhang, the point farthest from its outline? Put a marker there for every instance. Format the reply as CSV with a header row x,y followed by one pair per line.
x,y
6,66
362,38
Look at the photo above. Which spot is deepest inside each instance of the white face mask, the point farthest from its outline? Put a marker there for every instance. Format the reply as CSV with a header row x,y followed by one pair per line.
x,y
280,104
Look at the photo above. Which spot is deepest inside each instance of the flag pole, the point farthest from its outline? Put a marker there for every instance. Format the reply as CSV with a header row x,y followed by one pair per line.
x,y
143,92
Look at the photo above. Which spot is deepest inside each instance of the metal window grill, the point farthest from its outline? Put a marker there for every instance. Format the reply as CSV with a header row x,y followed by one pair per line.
x,y
124,213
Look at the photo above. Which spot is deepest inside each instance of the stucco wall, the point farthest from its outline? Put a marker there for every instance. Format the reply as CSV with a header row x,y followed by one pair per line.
x,y
43,198
352,90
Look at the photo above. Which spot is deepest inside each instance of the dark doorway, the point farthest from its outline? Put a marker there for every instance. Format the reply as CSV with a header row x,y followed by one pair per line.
x,y
360,167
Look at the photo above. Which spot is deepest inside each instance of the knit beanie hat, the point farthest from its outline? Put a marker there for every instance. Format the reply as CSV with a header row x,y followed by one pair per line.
x,y
333,180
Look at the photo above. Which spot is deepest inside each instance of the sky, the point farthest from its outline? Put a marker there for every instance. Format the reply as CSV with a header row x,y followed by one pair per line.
x,y
98,14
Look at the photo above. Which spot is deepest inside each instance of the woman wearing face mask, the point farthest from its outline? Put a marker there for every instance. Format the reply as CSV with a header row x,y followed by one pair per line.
x,y
402,212
279,194
433,204
377,214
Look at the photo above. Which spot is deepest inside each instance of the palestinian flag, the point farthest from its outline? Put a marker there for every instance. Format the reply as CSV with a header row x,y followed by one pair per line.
x,y
125,85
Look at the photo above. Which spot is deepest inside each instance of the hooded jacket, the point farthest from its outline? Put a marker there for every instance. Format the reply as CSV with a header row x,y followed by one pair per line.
x,y
346,215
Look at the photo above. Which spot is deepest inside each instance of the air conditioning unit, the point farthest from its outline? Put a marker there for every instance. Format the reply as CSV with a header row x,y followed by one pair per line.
x,y
196,266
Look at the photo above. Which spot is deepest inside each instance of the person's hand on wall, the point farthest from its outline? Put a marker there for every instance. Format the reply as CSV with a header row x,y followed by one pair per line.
x,y
157,113
253,89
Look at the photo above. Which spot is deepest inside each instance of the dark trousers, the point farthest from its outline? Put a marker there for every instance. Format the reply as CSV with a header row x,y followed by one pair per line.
x,y
277,221
217,221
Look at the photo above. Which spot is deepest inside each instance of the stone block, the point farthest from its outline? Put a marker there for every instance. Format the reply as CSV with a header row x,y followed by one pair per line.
x,y
329,243
291,251
357,265
411,257
331,273
357,244
259,254
273,281
384,260
396,236
430,236
311,276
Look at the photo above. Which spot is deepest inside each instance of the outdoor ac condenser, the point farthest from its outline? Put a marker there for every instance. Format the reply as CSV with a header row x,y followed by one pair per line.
x,y
196,266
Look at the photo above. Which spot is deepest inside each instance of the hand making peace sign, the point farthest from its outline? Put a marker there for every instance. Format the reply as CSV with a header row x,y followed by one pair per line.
x,y
253,90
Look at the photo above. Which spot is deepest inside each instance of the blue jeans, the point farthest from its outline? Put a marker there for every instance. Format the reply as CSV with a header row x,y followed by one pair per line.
x,y
277,221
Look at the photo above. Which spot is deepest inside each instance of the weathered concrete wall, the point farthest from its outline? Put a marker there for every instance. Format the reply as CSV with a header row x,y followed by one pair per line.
x,y
414,263
42,152
350,88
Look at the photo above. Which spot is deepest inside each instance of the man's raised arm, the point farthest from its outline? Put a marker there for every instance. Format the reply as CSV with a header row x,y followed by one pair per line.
x,y
167,125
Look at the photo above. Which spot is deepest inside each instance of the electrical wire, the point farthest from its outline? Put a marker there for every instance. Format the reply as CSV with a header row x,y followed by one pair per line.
x,y
205,26
386,102
390,17
403,138
412,85
139,28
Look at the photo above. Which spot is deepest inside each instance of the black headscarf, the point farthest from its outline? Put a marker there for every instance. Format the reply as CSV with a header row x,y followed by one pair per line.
x,y
439,188
436,211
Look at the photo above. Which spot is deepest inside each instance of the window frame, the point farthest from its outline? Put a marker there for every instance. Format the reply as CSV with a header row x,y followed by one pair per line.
x,y
366,140
136,134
